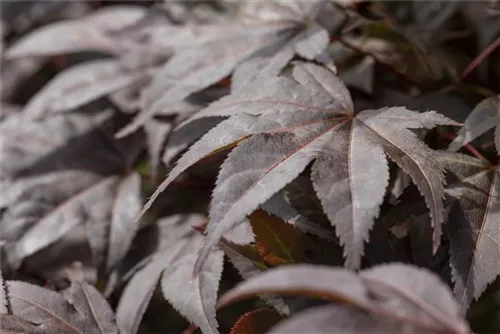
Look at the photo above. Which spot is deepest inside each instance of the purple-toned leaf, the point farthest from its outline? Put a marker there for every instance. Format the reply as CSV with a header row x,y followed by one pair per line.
x,y
89,33
485,116
80,85
391,297
473,227
315,281
64,171
339,319
220,51
92,307
311,119
194,298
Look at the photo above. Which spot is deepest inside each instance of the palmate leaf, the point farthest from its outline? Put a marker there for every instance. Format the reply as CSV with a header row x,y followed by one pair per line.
x,y
473,225
63,171
389,298
289,123
194,298
484,117
276,31
80,309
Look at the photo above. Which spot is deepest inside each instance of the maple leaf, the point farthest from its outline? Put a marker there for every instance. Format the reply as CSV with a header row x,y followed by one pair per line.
x,y
193,298
473,225
205,54
386,297
80,309
281,125
130,71
484,117
63,171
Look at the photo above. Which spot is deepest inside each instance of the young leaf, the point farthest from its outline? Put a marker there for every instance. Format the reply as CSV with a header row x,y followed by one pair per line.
x,y
247,260
485,116
256,322
312,118
473,225
277,242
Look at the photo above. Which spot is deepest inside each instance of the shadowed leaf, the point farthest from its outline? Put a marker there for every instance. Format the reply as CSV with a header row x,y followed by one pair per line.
x,y
256,322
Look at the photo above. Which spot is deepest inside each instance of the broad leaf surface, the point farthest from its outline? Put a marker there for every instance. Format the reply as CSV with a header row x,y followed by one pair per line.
x,y
391,296
340,319
294,122
84,310
323,282
411,292
11,324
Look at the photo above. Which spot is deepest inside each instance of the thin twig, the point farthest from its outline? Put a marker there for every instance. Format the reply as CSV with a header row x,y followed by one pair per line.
x,y
473,64
486,52
190,329
469,147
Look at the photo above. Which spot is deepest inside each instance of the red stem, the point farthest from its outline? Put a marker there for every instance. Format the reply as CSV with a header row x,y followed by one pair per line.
x,y
190,329
469,147
486,52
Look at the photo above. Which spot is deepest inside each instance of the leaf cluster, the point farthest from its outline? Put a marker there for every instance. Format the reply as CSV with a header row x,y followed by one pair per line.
x,y
326,166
